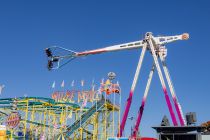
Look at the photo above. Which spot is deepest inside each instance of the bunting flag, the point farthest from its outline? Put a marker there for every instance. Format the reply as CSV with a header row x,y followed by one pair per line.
x,y
53,84
1,88
93,85
102,81
72,83
82,83
118,83
62,84
108,82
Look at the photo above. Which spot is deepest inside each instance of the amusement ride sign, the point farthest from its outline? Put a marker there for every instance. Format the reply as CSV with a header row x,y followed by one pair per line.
x,y
86,95
13,120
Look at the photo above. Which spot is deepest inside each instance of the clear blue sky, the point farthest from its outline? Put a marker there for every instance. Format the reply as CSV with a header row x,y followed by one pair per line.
x,y
28,27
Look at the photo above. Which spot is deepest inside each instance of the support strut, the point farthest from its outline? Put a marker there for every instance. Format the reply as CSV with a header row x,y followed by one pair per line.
x,y
162,80
129,100
171,87
141,109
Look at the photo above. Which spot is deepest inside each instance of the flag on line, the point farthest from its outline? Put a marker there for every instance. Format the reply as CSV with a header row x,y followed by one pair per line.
x,y
82,83
53,84
62,84
72,83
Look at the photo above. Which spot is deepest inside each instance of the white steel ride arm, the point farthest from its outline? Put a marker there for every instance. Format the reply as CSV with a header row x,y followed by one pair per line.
x,y
56,61
168,39
134,45
171,87
125,46
161,79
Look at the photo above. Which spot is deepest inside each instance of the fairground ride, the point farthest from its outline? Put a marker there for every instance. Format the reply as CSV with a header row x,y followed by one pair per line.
x,y
156,46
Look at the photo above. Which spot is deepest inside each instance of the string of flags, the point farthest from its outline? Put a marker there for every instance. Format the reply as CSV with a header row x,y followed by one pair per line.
x,y
63,84
105,86
84,96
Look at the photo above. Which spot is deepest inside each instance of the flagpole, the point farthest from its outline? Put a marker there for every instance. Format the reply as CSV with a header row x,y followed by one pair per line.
x,y
120,110
82,84
93,91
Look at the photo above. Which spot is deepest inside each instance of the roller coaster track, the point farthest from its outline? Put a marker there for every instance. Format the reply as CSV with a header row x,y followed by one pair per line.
x,y
87,115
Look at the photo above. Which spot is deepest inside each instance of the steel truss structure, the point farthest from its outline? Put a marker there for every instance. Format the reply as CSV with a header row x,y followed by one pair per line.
x,y
156,46
45,118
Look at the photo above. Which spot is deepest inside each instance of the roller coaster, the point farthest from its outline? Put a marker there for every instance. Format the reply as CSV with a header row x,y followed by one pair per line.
x,y
60,117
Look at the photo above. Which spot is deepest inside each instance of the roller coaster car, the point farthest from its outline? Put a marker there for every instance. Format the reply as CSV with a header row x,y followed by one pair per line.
x,y
48,52
58,57
50,63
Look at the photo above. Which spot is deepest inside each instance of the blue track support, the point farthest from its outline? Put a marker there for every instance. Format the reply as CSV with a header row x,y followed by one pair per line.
x,y
85,117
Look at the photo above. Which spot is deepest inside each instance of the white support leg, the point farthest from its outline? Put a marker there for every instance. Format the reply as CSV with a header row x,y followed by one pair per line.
x,y
162,81
129,100
171,87
141,109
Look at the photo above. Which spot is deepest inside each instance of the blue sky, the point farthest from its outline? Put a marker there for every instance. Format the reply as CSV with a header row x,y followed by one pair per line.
x,y
28,27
